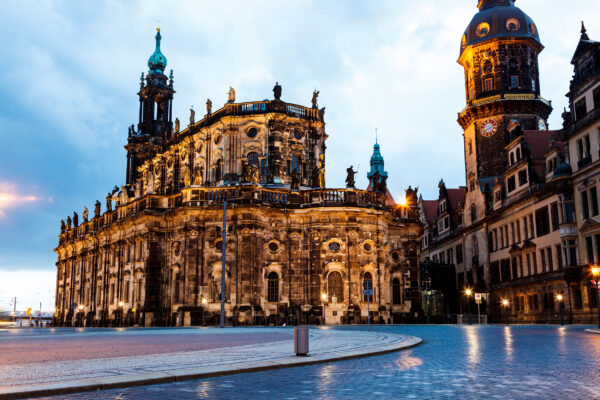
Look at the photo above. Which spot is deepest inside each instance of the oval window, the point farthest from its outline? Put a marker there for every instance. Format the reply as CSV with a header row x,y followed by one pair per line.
x,y
273,246
367,247
334,246
483,29
219,245
533,29
487,67
298,134
513,25
252,132
396,256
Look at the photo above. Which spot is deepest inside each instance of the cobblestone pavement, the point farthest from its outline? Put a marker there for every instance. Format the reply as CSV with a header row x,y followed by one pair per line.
x,y
454,362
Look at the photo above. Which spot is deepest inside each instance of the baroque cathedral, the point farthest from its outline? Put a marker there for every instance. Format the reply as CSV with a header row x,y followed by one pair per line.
x,y
237,199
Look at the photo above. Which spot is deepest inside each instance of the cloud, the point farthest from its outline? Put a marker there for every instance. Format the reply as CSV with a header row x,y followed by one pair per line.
x,y
10,197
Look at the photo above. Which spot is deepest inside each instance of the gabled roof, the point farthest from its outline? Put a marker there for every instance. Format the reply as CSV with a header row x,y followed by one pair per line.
x,y
538,142
456,197
430,208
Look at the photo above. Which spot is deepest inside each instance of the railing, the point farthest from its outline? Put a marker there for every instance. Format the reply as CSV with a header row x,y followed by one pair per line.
x,y
245,194
259,107
582,123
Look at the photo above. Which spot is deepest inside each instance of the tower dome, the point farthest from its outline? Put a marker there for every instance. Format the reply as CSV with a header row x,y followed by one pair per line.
x,y
157,61
498,19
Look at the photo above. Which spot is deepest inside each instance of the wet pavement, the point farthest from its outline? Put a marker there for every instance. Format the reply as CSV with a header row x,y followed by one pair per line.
x,y
454,362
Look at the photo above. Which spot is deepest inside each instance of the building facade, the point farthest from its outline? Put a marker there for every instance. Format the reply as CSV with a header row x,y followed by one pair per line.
x,y
518,231
247,179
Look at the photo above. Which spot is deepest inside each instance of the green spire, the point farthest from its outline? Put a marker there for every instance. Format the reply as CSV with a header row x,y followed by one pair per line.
x,y
157,61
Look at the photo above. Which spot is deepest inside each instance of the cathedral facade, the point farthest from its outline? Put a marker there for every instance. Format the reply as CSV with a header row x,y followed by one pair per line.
x,y
239,192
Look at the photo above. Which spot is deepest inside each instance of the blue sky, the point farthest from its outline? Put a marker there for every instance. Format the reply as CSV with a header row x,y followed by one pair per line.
x,y
69,74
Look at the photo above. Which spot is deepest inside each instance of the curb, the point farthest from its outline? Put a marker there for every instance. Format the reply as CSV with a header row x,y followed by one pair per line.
x,y
594,331
95,384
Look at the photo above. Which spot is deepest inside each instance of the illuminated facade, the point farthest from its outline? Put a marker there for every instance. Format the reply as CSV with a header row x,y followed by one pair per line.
x,y
514,228
294,248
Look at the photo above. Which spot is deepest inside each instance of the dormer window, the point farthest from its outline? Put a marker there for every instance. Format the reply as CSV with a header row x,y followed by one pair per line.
x,y
518,153
522,177
580,109
510,184
512,158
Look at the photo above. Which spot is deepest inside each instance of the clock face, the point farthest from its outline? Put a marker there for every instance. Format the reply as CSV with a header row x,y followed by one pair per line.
x,y
541,125
488,128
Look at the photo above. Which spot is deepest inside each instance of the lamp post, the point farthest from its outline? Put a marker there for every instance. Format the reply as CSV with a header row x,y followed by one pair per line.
x,y
323,300
81,307
204,301
468,293
559,298
596,274
121,311
505,303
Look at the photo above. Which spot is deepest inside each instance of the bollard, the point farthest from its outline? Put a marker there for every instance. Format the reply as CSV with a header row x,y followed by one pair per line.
x,y
301,340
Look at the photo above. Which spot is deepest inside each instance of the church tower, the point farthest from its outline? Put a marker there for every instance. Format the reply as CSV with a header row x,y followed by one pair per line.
x,y
155,116
499,52
377,175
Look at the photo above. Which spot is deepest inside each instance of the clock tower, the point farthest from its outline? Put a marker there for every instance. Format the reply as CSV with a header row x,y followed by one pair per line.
x,y
499,52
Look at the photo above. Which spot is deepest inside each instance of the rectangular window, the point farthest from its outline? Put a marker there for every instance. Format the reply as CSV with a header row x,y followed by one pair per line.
x,y
586,145
532,232
522,177
585,207
450,256
596,97
525,233
512,229
580,150
577,303
514,81
542,221
510,184
554,216
543,260
459,254
559,256
518,231
487,85
594,201
550,263
580,109
534,259
514,268
529,264
589,247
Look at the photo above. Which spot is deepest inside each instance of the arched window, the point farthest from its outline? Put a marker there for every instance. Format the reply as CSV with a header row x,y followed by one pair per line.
x,y
396,298
218,170
253,159
295,165
273,287
335,287
368,283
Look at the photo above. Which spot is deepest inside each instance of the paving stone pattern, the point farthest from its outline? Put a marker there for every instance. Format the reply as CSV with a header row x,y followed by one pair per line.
x,y
454,362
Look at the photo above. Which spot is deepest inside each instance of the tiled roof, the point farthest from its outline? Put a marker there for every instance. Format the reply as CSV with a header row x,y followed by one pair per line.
x,y
538,143
431,208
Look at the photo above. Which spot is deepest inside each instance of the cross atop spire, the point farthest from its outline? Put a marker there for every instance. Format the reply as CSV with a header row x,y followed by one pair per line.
x,y
584,35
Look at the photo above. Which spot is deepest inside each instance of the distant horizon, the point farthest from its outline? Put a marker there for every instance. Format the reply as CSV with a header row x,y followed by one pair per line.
x,y
71,73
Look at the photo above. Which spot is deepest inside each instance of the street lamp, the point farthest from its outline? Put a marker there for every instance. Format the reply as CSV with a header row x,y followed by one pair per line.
x,y
81,307
204,301
559,298
468,293
505,303
323,299
596,274
121,307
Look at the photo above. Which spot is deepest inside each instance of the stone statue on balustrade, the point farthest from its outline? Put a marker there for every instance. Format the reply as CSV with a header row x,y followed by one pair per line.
x,y
350,177
97,209
68,222
208,106
246,172
85,214
277,91
177,125
314,100
295,184
192,116
62,226
109,202
231,95
75,219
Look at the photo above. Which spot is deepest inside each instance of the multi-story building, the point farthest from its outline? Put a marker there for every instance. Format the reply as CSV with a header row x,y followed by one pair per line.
x,y
517,233
238,196
582,131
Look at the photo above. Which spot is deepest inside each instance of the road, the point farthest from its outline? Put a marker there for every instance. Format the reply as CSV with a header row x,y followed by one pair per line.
x,y
454,362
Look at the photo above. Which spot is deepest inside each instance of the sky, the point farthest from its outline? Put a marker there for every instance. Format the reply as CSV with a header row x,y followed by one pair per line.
x,y
69,74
